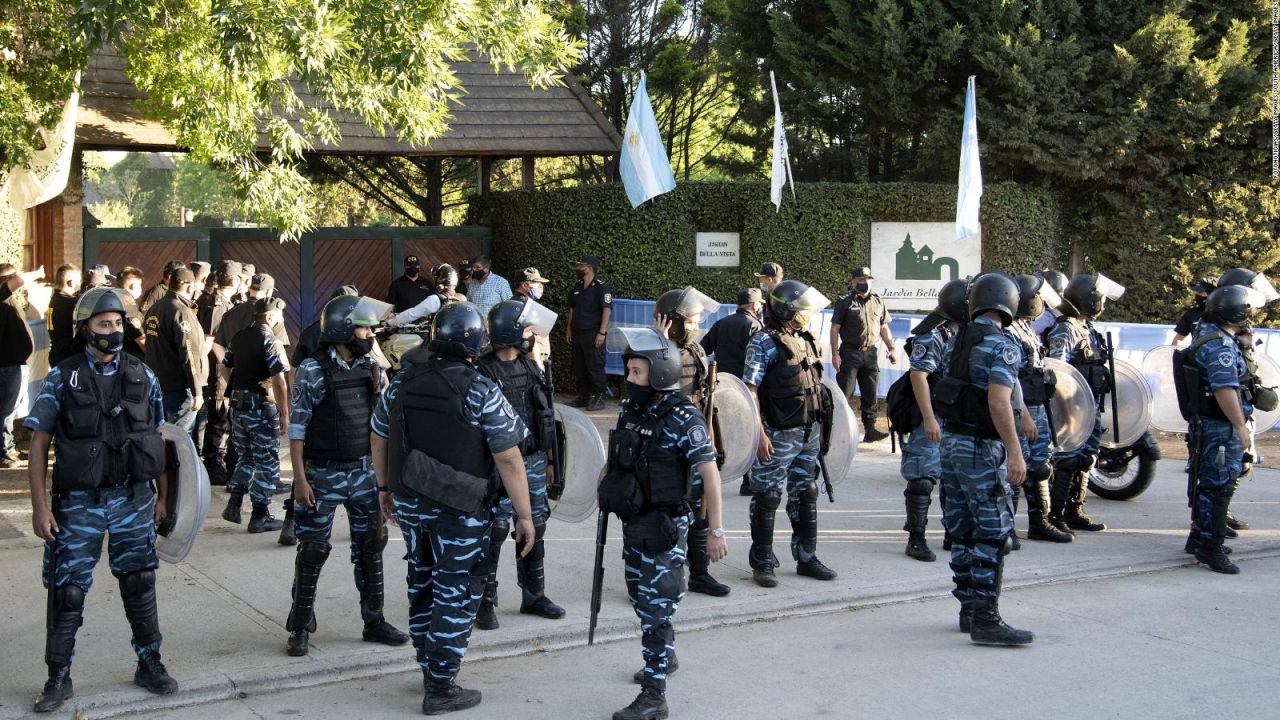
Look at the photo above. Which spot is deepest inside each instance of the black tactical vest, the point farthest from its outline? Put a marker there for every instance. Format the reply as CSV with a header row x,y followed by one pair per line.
x,y
106,433
433,399
1037,382
790,392
1195,397
663,475
961,405
339,427
517,380
249,346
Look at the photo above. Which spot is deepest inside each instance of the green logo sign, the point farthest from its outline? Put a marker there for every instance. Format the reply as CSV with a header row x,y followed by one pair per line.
x,y
912,264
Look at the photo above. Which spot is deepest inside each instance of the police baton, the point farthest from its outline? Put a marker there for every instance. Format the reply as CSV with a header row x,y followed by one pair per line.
x,y
556,487
1115,404
597,577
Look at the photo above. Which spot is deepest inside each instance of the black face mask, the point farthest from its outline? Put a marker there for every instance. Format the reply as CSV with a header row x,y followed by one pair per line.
x,y
526,344
479,275
639,395
582,274
862,288
411,273
109,343
359,347
1199,303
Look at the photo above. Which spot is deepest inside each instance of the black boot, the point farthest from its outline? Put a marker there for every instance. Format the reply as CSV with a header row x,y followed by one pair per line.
x,y
286,529
989,629
306,575
57,689
441,698
486,614
262,520
1038,525
1074,515
806,531
673,664
1210,552
1060,486
531,576
918,501
370,585
596,402
961,577
232,512
1193,544
650,704
138,594
152,676
764,508
700,579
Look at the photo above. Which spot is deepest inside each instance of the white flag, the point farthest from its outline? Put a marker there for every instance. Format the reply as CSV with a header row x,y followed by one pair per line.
x,y
780,173
645,170
45,174
970,194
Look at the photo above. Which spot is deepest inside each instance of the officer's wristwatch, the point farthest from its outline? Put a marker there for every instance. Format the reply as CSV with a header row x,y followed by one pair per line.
x,y
717,532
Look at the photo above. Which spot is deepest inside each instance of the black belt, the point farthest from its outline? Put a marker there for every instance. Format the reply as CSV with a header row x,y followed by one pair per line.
x,y
339,465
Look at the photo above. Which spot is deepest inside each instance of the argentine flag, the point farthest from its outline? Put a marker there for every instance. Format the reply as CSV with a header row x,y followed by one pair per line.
x,y
970,194
645,171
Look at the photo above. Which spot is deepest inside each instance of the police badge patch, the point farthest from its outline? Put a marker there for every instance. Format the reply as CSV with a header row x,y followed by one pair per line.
x,y
1009,354
918,351
698,435
1058,345
1226,359
749,357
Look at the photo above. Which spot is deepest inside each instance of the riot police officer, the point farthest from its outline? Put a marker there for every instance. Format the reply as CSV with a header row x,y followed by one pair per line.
x,y
1074,339
727,341
258,394
679,315
513,327
660,454
104,407
443,436
1034,295
981,455
1058,282
921,463
330,407
783,370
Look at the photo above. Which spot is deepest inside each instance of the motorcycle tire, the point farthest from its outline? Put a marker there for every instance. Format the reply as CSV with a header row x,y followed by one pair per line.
x,y
1123,477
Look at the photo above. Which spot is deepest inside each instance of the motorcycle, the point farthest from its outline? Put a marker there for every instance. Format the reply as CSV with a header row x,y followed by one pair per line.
x,y
1125,473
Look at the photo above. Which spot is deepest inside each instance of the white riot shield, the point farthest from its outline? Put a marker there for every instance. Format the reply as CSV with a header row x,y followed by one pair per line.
x,y
582,460
1072,407
188,496
738,425
1268,376
1157,370
844,435
1133,403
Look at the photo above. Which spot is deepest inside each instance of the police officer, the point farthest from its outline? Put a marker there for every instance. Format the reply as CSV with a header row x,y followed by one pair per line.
x,y
410,288
1058,282
769,276
921,463
98,404
679,315
258,366
1187,323
1074,339
244,314
446,280
175,349
160,289
783,370
975,399
658,424
211,308
311,337
441,418
66,281
330,407
509,363
1034,295
532,286
590,305
727,341
858,323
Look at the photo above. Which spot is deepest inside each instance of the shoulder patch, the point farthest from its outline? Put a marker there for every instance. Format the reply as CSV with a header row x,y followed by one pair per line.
x,y
918,351
185,327
295,395
698,434
1009,354
1226,359
608,297
1057,344
750,356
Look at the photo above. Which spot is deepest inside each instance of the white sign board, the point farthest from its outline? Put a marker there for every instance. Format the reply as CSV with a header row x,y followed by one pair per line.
x,y
717,249
911,261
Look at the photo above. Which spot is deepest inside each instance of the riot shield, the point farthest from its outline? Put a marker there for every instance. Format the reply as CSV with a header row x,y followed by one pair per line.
x,y
1268,376
844,435
1072,407
739,427
582,459
1157,370
188,496
1133,401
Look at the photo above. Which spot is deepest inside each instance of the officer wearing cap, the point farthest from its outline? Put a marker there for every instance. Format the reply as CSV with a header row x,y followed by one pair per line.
x,y
531,287
858,323
257,393
175,349
1187,323
412,287
243,315
211,308
769,276
160,289
98,404
332,401
440,417
727,342
590,305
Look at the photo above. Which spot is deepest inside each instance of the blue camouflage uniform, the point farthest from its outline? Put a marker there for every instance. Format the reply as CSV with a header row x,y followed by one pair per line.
x,y
1221,459
1038,453
977,510
656,581
921,463
446,551
795,452
255,429
1072,340
535,468
125,515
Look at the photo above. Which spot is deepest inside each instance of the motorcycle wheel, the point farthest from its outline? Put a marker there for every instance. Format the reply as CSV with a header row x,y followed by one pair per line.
x,y
1123,476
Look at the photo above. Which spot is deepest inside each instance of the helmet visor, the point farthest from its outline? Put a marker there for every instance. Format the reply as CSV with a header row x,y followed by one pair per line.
x,y
1256,299
538,317
1263,286
634,339
1109,288
90,299
812,301
369,312
696,306
1050,296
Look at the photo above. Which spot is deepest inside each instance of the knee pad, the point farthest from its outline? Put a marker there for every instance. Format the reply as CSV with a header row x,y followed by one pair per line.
x,y
809,494
767,501
539,530
373,542
70,598
919,486
313,553
1069,465
1006,547
138,583
1039,473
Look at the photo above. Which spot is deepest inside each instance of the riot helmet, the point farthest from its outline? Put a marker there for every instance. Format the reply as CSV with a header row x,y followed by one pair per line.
x,y
953,301
1055,279
1252,279
994,291
457,330
664,358
510,318
1232,305
1035,294
686,308
1088,294
344,313
793,302
446,278
96,301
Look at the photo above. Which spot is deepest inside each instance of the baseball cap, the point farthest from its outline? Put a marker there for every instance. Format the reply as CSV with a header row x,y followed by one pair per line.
x,y
264,305
770,269
750,295
531,274
106,271
182,275
228,268
199,269
860,273
263,281
591,260
411,261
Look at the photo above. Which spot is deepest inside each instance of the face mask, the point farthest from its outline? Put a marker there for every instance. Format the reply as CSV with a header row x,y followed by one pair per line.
x,y
535,292
691,333
359,347
1199,303
862,288
411,273
638,395
479,275
764,288
801,321
109,343
582,274
526,344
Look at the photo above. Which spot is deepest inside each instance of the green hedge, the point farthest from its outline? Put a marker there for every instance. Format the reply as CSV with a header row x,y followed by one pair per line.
x,y
817,238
